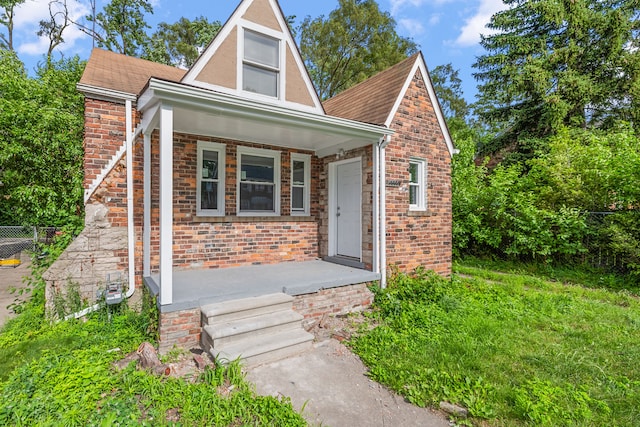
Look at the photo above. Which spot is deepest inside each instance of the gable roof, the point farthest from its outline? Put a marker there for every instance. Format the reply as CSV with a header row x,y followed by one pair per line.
x,y
377,99
220,66
120,73
372,100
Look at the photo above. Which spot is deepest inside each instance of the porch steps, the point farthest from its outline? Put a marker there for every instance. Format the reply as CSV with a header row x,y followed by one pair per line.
x,y
256,330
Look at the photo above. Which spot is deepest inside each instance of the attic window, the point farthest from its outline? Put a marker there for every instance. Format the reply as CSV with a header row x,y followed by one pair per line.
x,y
261,64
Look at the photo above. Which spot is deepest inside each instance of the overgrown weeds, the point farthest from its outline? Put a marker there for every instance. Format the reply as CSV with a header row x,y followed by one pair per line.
x,y
63,374
516,350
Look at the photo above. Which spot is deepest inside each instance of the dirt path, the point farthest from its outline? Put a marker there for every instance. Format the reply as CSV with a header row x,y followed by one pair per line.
x,y
11,277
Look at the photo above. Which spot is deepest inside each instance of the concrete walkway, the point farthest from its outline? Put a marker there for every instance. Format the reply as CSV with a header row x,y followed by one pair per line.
x,y
11,277
330,382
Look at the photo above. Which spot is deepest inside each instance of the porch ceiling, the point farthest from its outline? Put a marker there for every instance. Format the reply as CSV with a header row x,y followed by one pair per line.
x,y
204,112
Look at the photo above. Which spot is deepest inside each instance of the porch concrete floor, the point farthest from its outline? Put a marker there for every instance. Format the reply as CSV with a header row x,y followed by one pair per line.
x,y
195,288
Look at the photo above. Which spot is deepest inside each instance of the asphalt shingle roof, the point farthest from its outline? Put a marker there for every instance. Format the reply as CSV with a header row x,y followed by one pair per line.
x,y
114,71
372,100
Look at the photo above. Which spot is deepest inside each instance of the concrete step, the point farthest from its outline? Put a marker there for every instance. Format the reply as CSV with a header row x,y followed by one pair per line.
x,y
246,307
235,330
265,348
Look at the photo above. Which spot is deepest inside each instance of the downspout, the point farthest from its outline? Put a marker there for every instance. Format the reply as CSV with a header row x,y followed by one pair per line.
x,y
130,226
383,211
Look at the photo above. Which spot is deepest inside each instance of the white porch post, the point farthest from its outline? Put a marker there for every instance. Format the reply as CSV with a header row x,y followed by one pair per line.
x,y
166,204
376,207
146,228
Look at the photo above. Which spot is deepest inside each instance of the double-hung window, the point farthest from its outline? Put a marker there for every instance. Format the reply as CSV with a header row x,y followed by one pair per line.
x,y
261,64
210,179
258,181
300,183
417,184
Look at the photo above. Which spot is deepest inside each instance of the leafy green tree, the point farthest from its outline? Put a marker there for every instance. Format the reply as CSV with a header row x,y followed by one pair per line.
x,y
356,41
181,43
53,28
41,125
7,17
121,26
448,87
553,63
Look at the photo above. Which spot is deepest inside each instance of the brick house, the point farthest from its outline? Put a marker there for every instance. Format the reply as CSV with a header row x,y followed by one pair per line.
x,y
218,185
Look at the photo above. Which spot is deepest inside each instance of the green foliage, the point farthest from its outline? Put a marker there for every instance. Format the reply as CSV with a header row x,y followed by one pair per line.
x,y
539,209
181,43
519,350
7,19
448,87
355,42
62,374
122,26
551,64
41,122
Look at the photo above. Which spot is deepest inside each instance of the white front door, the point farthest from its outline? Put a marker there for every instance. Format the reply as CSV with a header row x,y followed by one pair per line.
x,y
348,209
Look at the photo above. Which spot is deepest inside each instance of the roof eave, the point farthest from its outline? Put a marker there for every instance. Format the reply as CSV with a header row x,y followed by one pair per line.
x,y
206,100
106,94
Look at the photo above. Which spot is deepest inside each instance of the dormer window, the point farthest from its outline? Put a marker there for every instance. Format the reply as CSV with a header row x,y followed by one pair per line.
x,y
261,64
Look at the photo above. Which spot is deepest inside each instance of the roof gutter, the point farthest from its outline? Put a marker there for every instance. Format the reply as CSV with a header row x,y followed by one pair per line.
x,y
106,94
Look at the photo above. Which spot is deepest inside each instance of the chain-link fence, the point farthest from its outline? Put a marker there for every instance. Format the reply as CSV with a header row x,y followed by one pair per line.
x,y
14,239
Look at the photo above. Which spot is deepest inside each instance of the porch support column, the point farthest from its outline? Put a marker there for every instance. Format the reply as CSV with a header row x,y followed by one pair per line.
x,y
146,228
376,208
166,204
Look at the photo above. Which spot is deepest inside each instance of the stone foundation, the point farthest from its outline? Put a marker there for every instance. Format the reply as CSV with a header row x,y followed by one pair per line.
x,y
99,250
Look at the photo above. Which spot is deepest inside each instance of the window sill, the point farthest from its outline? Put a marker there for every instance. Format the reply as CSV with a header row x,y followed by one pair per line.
x,y
245,219
425,213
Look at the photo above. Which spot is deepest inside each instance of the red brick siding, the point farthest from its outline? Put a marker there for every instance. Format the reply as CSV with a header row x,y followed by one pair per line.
x,y
181,329
104,124
335,301
418,239
233,241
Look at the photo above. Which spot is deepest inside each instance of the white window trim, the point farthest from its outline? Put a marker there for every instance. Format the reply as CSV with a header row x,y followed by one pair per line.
x,y
306,159
421,203
266,32
275,155
221,150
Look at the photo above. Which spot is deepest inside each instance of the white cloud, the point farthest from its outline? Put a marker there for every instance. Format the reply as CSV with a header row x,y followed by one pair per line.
x,y
412,26
476,25
435,19
396,5
27,19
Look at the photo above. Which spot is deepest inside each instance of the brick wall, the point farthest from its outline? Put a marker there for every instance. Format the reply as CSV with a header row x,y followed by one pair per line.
x,y
104,124
335,301
418,238
181,329
218,242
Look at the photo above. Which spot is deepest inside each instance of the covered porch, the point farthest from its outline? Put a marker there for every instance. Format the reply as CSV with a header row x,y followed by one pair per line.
x,y
174,108
194,288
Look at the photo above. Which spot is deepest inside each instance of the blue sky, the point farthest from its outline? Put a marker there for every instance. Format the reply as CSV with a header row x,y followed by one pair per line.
x,y
446,30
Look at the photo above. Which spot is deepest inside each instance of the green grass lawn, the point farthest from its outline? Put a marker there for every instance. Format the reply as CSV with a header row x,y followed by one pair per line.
x,y
62,375
514,349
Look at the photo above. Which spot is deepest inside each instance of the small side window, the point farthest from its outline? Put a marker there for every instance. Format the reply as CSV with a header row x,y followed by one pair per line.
x,y
300,184
417,185
210,179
